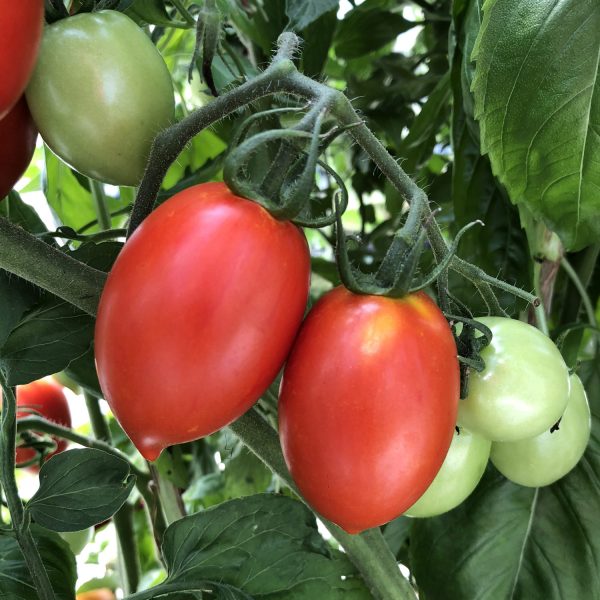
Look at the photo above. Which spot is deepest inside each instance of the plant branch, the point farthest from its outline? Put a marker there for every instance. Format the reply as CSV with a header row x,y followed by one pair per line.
x,y
540,310
20,520
585,299
169,143
35,423
100,204
47,267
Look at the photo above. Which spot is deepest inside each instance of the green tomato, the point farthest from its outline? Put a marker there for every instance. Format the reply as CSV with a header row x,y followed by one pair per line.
x,y
78,540
99,94
523,389
458,477
546,458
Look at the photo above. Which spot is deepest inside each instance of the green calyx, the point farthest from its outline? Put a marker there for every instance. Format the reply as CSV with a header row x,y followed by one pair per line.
x,y
396,275
282,182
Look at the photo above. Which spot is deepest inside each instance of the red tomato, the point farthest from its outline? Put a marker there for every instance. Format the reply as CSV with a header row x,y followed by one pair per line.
x,y
198,314
368,405
17,143
21,24
47,399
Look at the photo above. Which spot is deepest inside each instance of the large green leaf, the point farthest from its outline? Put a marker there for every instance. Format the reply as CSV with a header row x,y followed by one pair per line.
x,y
537,97
59,562
508,541
80,488
265,545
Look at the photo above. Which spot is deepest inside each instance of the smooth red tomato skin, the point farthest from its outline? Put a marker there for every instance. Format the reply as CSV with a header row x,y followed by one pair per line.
x,y
21,24
198,314
47,399
17,143
368,405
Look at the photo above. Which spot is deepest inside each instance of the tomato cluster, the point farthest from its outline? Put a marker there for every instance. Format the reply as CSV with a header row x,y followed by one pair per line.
x,y
524,411
196,320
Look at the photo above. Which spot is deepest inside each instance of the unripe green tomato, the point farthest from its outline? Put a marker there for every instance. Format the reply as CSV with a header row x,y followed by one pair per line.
x,y
462,469
78,540
99,94
546,458
523,389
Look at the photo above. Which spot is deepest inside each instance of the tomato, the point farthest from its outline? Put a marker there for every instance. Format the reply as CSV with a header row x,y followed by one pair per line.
x,y
368,405
99,94
47,399
97,594
198,314
545,458
78,540
17,143
462,469
21,24
524,388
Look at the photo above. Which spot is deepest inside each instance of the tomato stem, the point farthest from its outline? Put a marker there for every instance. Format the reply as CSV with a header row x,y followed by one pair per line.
x,y
48,267
129,564
100,204
540,309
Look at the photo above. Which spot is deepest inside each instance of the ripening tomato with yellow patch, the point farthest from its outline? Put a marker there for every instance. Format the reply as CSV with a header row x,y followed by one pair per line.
x,y
368,405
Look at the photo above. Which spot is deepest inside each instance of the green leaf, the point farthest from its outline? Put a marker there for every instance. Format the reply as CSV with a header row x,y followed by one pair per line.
x,y
537,98
418,144
59,562
71,202
500,246
244,475
149,12
320,33
508,541
236,543
52,333
19,213
83,371
16,297
80,488
261,20
68,194
46,339
302,13
367,28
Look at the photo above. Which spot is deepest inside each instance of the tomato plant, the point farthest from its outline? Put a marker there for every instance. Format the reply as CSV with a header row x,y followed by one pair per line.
x,y
361,144
545,458
459,475
95,60
368,401
524,387
46,399
21,26
165,307
18,134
